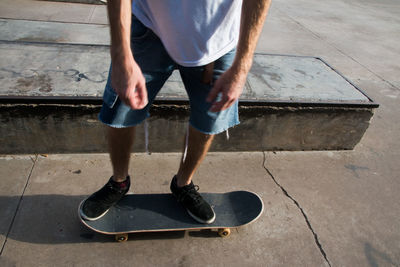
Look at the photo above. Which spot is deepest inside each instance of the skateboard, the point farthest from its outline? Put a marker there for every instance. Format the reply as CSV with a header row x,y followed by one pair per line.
x,y
136,213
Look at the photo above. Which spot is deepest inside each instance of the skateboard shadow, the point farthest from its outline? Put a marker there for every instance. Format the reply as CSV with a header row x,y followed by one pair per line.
x,y
53,219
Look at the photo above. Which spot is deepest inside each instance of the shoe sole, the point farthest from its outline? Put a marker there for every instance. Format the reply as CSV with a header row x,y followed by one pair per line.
x,y
201,220
85,217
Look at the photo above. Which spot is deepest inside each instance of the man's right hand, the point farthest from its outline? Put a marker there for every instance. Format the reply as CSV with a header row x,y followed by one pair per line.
x,y
128,81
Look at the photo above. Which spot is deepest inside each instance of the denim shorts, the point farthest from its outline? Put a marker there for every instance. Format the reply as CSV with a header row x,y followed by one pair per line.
x,y
157,66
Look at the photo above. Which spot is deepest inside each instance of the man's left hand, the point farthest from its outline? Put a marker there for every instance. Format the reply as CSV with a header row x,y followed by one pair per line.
x,y
230,85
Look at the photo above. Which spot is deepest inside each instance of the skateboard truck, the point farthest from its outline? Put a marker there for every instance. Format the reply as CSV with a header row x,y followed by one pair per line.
x,y
222,232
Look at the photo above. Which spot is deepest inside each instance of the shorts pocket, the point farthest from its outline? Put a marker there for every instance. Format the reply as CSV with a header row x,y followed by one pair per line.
x,y
109,96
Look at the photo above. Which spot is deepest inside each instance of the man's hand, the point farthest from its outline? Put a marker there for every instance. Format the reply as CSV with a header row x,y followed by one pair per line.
x,y
231,83
128,81
230,86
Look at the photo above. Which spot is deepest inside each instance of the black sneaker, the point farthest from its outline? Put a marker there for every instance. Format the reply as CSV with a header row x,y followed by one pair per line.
x,y
97,205
195,205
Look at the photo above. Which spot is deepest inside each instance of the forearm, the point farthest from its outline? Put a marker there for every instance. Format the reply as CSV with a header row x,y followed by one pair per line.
x,y
127,79
253,16
119,15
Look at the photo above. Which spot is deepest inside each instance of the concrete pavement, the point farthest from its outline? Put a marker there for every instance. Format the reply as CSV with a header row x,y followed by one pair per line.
x,y
321,208
52,11
47,229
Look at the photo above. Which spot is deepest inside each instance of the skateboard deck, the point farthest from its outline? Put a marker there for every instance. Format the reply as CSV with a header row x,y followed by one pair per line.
x,y
136,213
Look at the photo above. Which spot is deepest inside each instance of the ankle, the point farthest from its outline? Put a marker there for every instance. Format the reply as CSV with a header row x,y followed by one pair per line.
x,y
181,182
119,178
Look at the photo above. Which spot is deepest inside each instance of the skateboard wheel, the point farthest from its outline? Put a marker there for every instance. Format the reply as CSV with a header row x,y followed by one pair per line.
x,y
224,232
121,237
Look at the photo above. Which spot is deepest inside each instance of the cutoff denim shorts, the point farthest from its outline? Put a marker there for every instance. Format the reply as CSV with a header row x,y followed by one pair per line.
x,y
157,66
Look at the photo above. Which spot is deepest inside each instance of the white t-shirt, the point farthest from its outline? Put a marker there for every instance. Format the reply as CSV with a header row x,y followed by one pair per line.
x,y
194,32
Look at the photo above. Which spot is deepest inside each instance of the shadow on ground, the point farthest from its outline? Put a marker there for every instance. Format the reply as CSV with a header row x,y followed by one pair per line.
x,y
53,219
374,257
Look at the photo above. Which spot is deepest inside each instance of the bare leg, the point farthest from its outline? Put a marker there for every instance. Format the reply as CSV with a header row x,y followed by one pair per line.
x,y
120,142
198,145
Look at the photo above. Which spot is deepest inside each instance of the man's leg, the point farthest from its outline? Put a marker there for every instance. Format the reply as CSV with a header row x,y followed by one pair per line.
x,y
197,148
156,66
120,143
182,186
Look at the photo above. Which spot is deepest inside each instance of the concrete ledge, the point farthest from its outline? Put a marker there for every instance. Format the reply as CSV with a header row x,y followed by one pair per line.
x,y
51,94
54,128
96,2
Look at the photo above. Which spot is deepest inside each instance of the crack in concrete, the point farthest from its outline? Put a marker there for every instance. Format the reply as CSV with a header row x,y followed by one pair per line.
x,y
19,203
317,242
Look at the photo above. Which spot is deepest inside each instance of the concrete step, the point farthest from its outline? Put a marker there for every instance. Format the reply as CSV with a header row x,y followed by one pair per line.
x,y
94,2
16,30
52,11
51,92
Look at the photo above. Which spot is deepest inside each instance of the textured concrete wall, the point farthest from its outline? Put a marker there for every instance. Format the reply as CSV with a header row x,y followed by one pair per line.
x,y
75,128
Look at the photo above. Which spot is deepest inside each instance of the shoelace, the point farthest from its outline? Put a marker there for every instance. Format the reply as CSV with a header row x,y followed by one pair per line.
x,y
192,192
108,194
146,136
